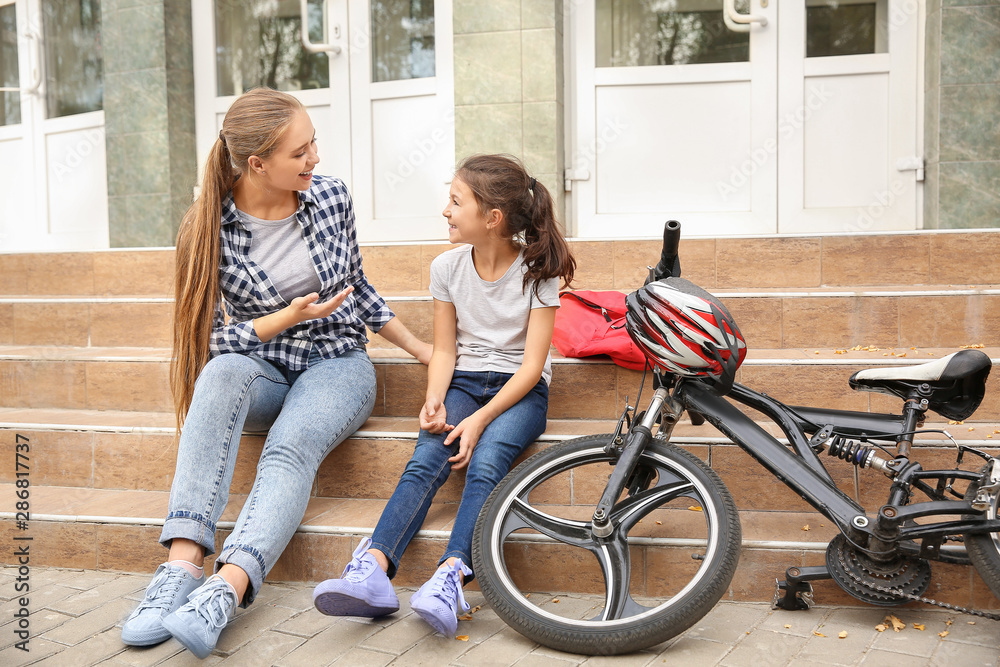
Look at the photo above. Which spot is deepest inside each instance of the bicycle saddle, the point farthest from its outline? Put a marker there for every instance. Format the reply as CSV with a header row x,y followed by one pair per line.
x,y
954,386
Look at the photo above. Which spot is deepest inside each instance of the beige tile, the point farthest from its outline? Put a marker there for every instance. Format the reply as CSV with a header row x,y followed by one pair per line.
x,y
134,273
950,321
392,268
43,384
363,469
63,458
6,323
116,385
405,387
840,322
582,389
488,68
965,258
824,386
759,321
875,260
14,273
51,324
60,273
630,259
595,265
129,548
310,557
418,316
767,262
134,461
131,324
63,544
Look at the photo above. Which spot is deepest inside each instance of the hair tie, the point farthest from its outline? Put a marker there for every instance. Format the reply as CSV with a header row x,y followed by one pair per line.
x,y
222,138
531,185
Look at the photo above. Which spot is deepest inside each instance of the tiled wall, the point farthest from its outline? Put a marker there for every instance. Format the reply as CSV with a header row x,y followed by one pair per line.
x,y
962,108
509,84
149,118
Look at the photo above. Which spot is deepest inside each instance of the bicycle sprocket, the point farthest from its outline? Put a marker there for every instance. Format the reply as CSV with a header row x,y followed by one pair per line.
x,y
885,584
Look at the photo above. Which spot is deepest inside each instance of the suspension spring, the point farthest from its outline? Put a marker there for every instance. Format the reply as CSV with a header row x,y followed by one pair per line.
x,y
849,450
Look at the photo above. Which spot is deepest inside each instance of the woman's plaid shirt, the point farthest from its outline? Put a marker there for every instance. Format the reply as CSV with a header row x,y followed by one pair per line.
x,y
327,219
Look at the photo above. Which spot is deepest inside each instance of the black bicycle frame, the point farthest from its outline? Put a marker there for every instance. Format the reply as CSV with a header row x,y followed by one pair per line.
x,y
800,469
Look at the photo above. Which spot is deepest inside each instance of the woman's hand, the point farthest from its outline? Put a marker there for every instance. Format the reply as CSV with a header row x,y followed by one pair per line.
x,y
434,416
423,352
306,307
467,432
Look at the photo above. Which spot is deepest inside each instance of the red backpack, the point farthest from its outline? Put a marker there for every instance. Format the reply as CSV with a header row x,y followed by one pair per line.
x,y
590,323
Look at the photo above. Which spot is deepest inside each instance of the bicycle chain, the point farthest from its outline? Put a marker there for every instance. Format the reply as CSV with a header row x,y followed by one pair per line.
x,y
911,596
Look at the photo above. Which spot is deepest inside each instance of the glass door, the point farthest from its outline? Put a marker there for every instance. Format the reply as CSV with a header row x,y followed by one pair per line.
x,y
674,109
53,171
376,82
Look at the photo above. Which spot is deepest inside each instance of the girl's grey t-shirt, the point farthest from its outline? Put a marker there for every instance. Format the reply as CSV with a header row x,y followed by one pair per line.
x,y
278,247
492,317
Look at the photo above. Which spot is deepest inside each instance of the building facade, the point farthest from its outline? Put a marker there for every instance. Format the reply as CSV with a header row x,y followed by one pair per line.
x,y
745,117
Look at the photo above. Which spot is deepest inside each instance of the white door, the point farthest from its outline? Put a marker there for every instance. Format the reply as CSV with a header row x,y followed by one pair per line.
x,y
53,173
378,88
678,115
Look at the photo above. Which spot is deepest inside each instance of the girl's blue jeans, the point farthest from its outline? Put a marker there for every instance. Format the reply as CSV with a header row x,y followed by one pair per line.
x,y
501,442
306,414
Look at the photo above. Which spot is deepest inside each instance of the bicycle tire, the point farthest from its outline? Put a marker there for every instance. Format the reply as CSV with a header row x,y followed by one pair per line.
x,y
984,548
691,518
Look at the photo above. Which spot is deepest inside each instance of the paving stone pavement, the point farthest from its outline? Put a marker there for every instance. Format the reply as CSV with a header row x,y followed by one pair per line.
x,y
74,615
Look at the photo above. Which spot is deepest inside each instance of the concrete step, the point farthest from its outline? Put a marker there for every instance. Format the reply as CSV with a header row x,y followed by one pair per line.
x,y
135,379
909,258
122,451
118,530
785,318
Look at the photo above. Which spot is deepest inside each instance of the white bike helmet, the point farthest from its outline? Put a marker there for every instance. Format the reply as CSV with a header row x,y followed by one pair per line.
x,y
684,330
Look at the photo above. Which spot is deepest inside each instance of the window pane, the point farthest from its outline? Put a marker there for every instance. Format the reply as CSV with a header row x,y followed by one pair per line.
x,y
74,64
836,29
258,43
666,32
10,103
402,39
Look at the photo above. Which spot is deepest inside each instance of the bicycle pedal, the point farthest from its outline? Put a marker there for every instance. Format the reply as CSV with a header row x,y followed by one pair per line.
x,y
792,597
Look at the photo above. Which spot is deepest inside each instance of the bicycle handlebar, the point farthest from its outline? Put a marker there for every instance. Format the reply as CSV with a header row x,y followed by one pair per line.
x,y
670,263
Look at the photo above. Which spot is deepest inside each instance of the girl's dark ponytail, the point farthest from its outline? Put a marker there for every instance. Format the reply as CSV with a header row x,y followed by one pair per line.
x,y
501,182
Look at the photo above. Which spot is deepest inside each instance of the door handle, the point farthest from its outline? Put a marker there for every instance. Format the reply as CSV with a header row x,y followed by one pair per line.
x,y
36,70
307,44
739,22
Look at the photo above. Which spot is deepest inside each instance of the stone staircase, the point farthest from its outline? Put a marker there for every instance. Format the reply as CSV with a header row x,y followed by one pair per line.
x,y
84,352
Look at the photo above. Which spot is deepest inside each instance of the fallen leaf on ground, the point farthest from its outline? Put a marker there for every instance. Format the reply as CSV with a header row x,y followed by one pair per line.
x,y
696,508
971,622
467,617
805,527
949,622
787,625
943,633
897,624
919,626
843,634
475,609
818,634
659,523
881,627
462,638
556,601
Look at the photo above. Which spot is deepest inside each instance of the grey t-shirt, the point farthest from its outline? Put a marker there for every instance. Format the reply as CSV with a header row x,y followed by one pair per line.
x,y
492,317
278,248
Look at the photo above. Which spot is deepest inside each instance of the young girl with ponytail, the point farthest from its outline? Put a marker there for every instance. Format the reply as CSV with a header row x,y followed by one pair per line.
x,y
487,388
274,247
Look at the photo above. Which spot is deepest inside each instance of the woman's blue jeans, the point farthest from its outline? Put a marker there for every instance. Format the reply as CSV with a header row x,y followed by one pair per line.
x,y
501,442
306,414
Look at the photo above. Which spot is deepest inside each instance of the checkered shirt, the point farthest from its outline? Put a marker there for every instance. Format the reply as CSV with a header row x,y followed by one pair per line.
x,y
327,219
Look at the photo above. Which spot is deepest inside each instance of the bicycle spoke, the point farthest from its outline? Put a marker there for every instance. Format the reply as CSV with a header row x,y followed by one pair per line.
x,y
523,515
616,565
628,512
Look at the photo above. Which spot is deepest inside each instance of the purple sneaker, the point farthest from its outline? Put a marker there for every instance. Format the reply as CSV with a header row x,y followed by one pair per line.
x,y
438,601
362,590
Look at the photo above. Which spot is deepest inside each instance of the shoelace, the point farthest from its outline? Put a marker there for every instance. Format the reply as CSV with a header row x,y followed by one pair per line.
x,y
357,569
212,603
161,591
445,587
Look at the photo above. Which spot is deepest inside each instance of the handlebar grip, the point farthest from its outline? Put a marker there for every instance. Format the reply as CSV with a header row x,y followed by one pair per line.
x,y
670,263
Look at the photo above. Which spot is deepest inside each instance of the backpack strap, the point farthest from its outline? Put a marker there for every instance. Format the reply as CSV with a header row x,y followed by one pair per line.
x,y
588,304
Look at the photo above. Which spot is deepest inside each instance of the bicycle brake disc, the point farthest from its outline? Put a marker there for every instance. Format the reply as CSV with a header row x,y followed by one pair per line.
x,y
884,584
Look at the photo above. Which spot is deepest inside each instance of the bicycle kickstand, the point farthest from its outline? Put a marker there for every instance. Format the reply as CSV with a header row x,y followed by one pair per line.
x,y
795,593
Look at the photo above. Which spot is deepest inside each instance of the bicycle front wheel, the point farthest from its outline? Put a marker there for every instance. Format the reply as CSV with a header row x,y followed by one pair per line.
x,y
670,557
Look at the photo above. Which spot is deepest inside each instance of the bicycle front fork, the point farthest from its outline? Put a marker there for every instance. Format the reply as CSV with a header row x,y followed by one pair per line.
x,y
669,412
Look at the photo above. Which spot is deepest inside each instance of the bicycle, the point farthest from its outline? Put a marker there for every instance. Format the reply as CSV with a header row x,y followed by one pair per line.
x,y
692,526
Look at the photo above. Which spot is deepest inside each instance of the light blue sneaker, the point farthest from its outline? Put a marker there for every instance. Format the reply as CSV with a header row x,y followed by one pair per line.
x,y
165,594
197,624
362,590
439,600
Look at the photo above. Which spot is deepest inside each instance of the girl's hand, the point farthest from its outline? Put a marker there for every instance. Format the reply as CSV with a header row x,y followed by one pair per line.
x,y
305,308
433,417
467,432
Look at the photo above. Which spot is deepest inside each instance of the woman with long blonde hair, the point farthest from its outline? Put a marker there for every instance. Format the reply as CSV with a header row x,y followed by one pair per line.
x,y
269,334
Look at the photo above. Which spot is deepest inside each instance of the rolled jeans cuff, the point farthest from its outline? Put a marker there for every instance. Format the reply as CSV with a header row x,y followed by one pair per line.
x,y
189,526
250,561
